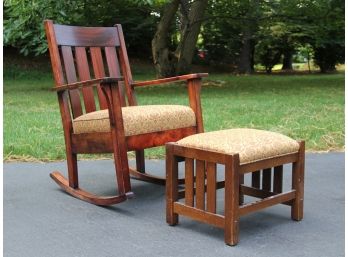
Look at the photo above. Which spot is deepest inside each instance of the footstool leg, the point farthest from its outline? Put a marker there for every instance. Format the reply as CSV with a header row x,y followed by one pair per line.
x,y
171,185
232,200
298,184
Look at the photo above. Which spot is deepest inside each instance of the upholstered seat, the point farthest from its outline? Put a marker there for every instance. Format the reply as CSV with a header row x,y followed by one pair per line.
x,y
251,144
138,119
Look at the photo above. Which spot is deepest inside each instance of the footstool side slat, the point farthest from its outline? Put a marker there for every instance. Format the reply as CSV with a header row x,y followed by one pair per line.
x,y
211,187
200,184
189,182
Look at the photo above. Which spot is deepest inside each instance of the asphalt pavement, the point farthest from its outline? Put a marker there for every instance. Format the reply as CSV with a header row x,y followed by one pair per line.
x,y
40,220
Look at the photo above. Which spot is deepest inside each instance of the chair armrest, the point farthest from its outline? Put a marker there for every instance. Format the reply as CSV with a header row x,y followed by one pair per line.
x,y
87,83
169,80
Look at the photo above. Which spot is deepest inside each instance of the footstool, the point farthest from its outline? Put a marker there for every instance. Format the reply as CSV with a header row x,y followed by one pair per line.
x,y
241,151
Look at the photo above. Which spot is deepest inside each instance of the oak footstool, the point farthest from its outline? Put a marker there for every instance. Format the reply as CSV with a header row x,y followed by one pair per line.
x,y
241,151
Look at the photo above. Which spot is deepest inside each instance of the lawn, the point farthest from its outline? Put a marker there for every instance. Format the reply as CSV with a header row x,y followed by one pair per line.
x,y
309,107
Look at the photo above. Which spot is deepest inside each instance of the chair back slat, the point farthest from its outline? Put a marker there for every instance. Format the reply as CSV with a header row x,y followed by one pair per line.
x,y
99,72
83,53
70,73
84,74
114,69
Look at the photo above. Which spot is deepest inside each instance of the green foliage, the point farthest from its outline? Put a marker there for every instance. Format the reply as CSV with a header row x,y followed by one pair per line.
x,y
288,24
328,38
23,21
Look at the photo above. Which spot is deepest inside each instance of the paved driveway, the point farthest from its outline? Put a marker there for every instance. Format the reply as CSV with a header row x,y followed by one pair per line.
x,y
41,220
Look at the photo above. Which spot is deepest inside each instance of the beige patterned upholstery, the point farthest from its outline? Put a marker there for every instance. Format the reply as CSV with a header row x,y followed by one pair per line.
x,y
251,144
138,119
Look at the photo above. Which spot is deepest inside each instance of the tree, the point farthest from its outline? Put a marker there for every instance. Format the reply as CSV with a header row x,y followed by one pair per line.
x,y
268,52
320,24
168,61
328,35
23,21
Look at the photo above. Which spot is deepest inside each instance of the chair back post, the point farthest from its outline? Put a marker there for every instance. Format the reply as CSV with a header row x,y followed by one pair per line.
x,y
128,80
63,98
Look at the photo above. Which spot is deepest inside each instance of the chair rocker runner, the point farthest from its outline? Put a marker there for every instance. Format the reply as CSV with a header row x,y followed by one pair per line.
x,y
119,125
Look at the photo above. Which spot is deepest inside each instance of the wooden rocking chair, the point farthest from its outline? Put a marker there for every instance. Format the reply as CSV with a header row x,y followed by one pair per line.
x,y
118,126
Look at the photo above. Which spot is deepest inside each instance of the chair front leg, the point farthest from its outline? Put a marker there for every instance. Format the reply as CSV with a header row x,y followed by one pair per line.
x,y
118,137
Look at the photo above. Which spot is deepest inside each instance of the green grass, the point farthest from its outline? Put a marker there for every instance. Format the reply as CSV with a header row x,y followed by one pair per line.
x,y
309,107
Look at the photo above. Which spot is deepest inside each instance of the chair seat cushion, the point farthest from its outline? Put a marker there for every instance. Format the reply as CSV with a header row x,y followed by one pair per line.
x,y
138,119
251,144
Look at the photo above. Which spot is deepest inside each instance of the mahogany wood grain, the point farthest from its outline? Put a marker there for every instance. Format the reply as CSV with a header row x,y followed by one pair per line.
x,y
70,73
278,179
86,83
114,69
266,179
200,184
194,92
241,195
84,74
211,187
143,141
256,179
200,215
102,142
171,185
266,202
86,36
126,68
99,72
234,187
272,162
189,182
67,127
169,80
254,192
86,196
135,174
118,137
181,193
199,154
298,184
54,53
76,49
232,200
140,160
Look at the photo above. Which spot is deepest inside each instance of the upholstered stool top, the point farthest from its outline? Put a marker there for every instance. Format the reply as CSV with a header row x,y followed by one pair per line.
x,y
251,144
138,119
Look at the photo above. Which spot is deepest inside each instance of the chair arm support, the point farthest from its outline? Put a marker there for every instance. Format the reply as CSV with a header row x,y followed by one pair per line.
x,y
194,93
87,83
169,80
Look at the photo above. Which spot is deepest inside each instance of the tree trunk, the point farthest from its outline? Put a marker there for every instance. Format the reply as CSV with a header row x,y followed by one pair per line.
x,y
166,62
249,27
287,60
192,21
162,56
245,59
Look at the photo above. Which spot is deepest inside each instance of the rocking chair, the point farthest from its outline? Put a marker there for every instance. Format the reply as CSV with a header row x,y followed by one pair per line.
x,y
117,126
